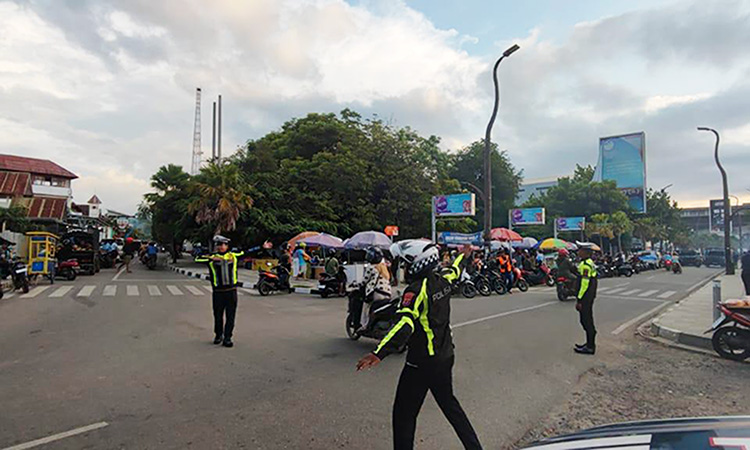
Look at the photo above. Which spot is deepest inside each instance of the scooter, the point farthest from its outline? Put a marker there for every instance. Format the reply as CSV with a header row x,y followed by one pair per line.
x,y
465,286
540,276
519,281
19,276
270,281
68,269
624,269
151,262
382,316
482,283
732,341
676,267
668,264
332,284
565,288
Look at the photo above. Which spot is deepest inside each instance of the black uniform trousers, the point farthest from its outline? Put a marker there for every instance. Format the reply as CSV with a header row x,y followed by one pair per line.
x,y
437,376
746,280
586,314
224,302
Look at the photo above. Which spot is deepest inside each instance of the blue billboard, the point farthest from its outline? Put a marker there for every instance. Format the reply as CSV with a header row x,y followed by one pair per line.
x,y
527,216
570,223
452,238
454,205
622,159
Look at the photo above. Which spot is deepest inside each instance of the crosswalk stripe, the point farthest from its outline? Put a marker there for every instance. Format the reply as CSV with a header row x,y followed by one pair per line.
x,y
153,290
110,290
602,290
631,292
86,291
11,295
648,293
61,291
614,291
667,294
208,288
132,290
36,291
194,290
248,291
173,290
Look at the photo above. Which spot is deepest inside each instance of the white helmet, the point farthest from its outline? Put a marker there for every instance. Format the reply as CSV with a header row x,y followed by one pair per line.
x,y
420,255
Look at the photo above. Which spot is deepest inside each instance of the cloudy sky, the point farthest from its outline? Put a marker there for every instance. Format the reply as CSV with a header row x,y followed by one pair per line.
x,y
106,88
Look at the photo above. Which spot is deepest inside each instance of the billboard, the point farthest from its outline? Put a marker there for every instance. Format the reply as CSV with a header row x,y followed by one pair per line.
x,y
570,223
527,216
452,238
454,205
716,215
622,159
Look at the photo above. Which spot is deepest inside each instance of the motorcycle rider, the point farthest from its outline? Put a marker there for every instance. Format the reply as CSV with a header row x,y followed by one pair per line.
x,y
564,265
424,323
333,269
586,295
223,272
506,269
376,282
152,250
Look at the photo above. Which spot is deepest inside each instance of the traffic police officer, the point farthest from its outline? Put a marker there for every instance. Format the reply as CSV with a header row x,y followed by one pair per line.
x,y
423,322
586,296
223,274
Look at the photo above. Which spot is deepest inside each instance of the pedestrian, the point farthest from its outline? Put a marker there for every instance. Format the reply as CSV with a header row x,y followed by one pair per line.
x,y
128,250
423,322
223,275
300,260
746,271
586,295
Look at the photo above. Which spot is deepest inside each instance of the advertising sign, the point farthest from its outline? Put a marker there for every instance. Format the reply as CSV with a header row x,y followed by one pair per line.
x,y
623,160
716,215
451,238
570,223
455,205
527,216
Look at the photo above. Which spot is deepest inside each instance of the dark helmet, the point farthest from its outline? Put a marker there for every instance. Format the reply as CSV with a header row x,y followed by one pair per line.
x,y
331,252
374,255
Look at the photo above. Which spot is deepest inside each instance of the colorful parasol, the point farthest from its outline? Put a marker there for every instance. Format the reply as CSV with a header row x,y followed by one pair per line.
x,y
504,234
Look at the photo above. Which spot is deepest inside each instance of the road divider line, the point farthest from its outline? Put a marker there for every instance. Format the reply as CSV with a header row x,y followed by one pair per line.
x,y
667,294
86,291
110,290
131,290
57,437
639,318
638,299
503,314
173,290
61,291
153,290
117,275
648,293
36,291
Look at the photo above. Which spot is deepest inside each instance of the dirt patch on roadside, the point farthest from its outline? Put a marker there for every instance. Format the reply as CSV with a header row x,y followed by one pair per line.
x,y
640,379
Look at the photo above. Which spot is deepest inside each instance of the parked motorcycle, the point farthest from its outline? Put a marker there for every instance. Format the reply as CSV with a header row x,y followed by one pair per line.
x,y
565,288
68,269
382,316
332,284
270,280
496,281
731,338
624,269
541,276
465,286
519,281
482,283
19,276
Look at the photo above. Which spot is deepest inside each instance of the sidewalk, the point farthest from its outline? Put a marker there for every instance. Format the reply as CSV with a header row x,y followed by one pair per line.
x,y
686,321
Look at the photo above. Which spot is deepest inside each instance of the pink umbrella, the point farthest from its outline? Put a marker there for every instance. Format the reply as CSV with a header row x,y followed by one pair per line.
x,y
504,234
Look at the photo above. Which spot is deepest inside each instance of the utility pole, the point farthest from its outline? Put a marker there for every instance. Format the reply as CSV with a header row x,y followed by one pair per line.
x,y
195,167
213,136
218,131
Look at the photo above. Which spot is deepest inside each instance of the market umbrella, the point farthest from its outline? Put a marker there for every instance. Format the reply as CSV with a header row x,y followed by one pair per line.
x,y
527,242
553,244
365,239
299,237
323,240
504,234
591,245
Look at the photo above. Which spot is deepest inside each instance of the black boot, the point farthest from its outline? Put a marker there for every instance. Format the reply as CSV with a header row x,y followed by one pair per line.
x,y
228,342
585,350
217,340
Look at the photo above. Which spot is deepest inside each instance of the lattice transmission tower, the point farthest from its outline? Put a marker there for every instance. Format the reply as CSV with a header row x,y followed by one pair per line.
x,y
197,151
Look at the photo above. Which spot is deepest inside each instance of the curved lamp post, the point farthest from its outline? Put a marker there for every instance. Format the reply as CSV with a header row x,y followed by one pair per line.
x,y
487,169
729,265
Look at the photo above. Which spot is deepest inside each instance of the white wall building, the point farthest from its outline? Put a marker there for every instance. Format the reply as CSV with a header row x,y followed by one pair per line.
x,y
534,186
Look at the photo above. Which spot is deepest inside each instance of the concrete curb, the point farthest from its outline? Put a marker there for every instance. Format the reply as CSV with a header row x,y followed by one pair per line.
x,y
202,276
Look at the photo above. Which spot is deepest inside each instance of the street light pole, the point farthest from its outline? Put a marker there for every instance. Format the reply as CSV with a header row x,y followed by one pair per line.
x,y
739,219
729,265
487,149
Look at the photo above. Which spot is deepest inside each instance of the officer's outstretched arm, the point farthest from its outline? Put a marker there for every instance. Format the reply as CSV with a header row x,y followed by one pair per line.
x,y
410,309
202,259
453,272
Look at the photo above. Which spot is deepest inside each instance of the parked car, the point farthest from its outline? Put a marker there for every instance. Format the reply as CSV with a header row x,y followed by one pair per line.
x,y
691,258
650,259
714,257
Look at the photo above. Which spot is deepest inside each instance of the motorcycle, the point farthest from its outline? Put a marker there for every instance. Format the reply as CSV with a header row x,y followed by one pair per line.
x,y
482,283
624,269
565,288
465,286
151,261
668,264
19,276
68,269
270,281
541,276
332,284
497,282
676,267
732,341
382,316
519,281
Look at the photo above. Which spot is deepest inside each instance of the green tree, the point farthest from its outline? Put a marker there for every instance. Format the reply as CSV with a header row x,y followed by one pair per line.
x,y
220,197
167,206
620,224
601,225
14,218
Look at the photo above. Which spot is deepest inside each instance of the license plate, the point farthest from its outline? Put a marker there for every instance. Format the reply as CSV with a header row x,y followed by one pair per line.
x,y
321,287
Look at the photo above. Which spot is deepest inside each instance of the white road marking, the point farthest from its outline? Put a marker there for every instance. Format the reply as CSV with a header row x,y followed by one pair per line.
x,y
651,277
117,275
638,299
194,290
602,290
11,295
132,290
614,291
667,294
110,290
86,291
153,290
507,313
630,292
208,288
36,291
637,319
58,436
173,290
61,291
648,293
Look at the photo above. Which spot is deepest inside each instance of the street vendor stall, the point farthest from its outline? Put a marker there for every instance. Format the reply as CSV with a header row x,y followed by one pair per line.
x,y
82,246
41,256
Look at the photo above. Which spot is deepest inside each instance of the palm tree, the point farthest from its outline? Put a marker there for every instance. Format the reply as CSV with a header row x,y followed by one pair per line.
x,y
600,224
168,178
621,224
221,196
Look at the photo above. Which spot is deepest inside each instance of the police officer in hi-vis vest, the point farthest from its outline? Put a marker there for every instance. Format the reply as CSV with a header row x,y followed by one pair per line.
x,y
586,295
223,275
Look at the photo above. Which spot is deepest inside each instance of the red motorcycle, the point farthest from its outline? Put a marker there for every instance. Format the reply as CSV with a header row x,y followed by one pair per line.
x,y
68,269
277,280
732,341
565,288
519,281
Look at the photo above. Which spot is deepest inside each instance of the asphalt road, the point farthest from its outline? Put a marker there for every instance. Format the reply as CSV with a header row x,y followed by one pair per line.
x,y
134,352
